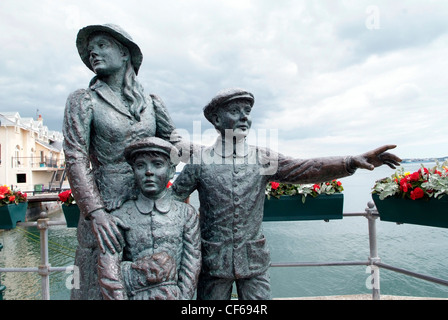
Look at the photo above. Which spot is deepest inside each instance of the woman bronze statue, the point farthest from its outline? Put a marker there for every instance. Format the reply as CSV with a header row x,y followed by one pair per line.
x,y
99,122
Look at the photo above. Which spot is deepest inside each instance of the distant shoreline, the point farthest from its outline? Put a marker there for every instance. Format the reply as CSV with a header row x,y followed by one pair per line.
x,y
424,160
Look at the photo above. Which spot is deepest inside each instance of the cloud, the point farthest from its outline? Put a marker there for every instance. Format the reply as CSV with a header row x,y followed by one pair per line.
x,y
326,79
399,25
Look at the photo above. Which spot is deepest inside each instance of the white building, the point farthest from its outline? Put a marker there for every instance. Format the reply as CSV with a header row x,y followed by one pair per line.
x,y
31,156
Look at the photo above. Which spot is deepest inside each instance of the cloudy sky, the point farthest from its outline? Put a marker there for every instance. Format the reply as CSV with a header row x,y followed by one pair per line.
x,y
329,77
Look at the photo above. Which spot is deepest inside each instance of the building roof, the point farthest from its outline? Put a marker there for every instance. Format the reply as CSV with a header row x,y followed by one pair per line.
x,y
14,119
52,147
5,121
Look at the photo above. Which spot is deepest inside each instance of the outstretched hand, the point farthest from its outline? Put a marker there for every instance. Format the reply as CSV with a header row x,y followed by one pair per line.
x,y
375,158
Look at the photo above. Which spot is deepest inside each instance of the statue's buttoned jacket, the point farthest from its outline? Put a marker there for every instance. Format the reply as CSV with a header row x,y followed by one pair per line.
x,y
167,226
231,187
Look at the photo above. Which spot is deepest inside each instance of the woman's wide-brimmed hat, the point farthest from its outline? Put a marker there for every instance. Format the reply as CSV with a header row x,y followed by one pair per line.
x,y
82,41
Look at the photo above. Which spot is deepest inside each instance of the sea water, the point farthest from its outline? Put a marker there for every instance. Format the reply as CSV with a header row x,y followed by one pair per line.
x,y
416,248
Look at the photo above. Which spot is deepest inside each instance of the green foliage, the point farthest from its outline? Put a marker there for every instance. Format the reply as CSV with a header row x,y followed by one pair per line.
x,y
422,184
275,189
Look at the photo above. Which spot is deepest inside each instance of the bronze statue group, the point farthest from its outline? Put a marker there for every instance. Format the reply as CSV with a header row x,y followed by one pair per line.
x,y
139,239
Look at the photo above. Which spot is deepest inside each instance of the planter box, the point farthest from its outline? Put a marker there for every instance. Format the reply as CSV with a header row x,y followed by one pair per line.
x,y
71,214
433,212
11,214
291,208
2,289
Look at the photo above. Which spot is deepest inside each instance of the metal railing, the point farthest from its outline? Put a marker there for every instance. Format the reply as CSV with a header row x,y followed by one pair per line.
x,y
37,162
44,269
374,261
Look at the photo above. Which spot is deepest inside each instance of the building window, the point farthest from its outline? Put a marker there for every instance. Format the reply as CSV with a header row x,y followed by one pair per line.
x,y
17,157
21,178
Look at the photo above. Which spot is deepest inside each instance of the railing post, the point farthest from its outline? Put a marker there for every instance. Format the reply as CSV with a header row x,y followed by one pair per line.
x,y
44,267
2,287
373,258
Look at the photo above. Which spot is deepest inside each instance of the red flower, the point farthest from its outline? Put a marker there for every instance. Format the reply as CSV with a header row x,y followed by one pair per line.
x,y
3,190
12,198
405,185
63,196
274,185
339,183
316,187
417,193
22,195
415,176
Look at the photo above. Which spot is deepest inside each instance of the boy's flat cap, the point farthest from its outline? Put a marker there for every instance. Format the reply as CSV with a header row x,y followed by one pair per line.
x,y
225,96
151,144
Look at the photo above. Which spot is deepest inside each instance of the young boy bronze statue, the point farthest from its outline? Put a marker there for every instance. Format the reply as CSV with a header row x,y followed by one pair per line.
x,y
231,178
161,257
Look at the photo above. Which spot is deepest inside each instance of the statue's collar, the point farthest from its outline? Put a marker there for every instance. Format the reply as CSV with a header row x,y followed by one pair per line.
x,y
105,92
226,148
146,205
100,86
95,83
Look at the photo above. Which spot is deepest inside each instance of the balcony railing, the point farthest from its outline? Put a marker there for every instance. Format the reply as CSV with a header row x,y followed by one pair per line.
x,y
37,162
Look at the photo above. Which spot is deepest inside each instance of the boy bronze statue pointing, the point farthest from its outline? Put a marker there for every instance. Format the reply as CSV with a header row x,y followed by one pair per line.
x,y
231,179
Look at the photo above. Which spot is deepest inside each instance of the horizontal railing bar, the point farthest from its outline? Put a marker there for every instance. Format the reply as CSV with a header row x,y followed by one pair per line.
x,y
320,264
364,263
411,273
60,269
34,223
359,214
354,214
19,269
27,224
46,197
51,269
